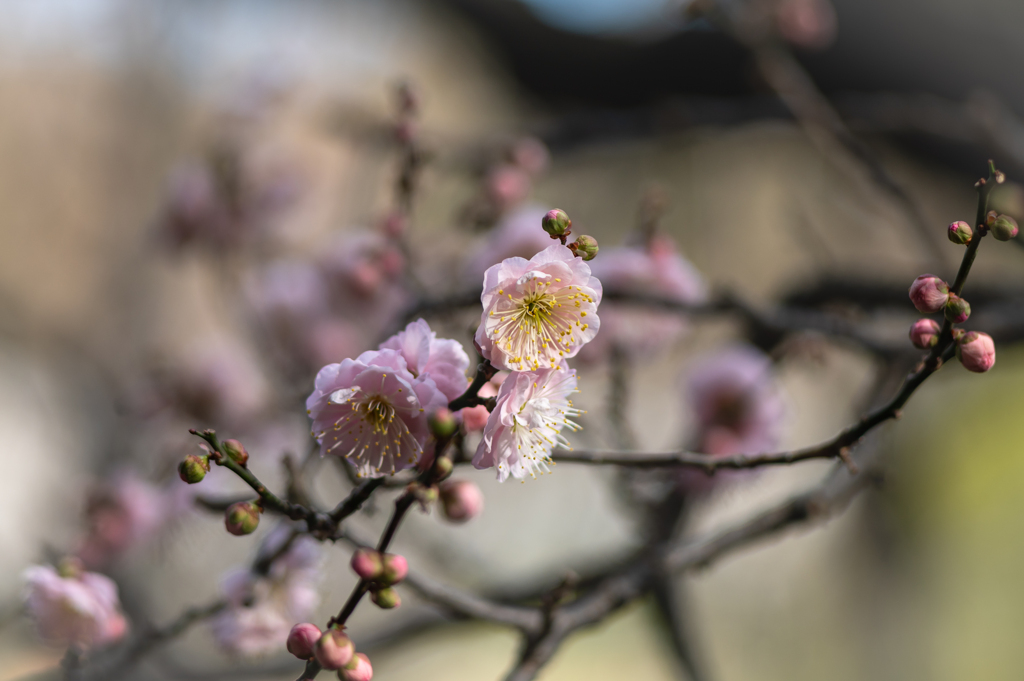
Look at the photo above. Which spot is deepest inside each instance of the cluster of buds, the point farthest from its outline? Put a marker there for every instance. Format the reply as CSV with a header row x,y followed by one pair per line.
x,y
333,650
382,571
557,224
1002,227
975,350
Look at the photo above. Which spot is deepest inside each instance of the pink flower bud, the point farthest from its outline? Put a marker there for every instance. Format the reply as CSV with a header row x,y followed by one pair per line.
x,y
957,309
395,569
556,223
442,423
960,232
334,650
1004,228
976,351
368,564
386,598
235,451
461,500
358,669
194,468
924,333
242,518
302,640
928,293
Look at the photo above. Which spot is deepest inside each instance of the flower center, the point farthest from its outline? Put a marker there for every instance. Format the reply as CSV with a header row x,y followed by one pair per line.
x,y
377,412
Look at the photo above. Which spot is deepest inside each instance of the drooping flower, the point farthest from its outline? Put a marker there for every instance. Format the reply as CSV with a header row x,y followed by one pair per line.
x,y
533,407
373,411
538,312
442,359
658,270
262,608
737,406
73,606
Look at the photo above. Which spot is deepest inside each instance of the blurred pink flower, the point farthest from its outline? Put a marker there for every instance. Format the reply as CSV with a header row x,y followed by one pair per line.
x,y
530,154
333,339
120,514
737,405
538,312
262,608
507,186
807,23
373,411
364,273
218,384
475,418
288,295
533,408
657,270
81,608
442,359
518,235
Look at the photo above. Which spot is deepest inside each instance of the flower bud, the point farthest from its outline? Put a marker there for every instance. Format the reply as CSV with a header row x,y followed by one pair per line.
x,y
443,467
960,232
1004,228
368,564
386,598
334,649
924,333
585,247
302,640
395,569
976,351
556,223
242,518
990,218
235,451
461,500
194,468
358,669
442,423
928,293
957,309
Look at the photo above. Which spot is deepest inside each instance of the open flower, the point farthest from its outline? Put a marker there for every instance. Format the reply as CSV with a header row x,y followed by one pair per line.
x,y
538,312
263,607
442,359
72,606
533,407
373,411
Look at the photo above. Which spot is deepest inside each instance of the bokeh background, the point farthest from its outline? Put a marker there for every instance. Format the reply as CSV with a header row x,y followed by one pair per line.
x,y
103,99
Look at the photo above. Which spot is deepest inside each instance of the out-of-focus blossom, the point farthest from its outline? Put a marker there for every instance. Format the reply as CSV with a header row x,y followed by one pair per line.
x,y
807,23
924,333
442,359
657,270
120,514
373,411
533,407
461,500
475,418
507,186
359,669
73,606
288,296
737,405
530,154
217,384
333,339
538,312
518,235
263,607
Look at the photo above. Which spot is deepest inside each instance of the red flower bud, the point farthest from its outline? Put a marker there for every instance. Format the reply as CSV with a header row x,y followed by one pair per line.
x,y
929,293
924,333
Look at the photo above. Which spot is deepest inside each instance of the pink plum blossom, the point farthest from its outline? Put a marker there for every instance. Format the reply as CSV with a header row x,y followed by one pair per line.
x,y
73,607
507,185
218,383
976,351
120,514
287,295
442,359
656,270
737,406
373,411
533,407
929,293
263,607
517,235
538,312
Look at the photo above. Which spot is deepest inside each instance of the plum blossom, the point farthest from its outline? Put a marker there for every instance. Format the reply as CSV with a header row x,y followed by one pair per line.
x,y
121,514
372,411
517,235
73,606
443,359
532,409
656,270
538,312
263,607
218,383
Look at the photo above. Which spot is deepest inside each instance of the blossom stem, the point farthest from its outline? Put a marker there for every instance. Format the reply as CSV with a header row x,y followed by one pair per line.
x,y
484,372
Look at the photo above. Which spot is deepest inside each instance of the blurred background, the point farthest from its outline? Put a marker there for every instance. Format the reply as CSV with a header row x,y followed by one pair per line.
x,y
842,161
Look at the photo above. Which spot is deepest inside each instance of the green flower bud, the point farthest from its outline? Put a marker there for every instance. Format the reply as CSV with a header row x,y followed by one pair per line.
x,y
386,598
957,310
442,423
1004,228
194,468
556,223
235,451
585,247
960,232
242,518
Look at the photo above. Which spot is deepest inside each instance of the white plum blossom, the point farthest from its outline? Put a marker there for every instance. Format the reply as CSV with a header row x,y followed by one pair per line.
x,y
443,359
73,606
538,312
373,411
263,607
532,409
